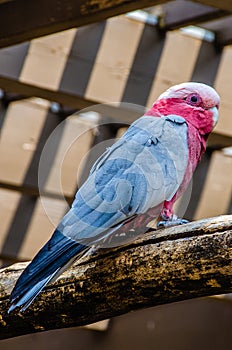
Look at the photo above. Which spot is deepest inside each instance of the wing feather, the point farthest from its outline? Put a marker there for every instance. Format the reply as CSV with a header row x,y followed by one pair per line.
x,y
141,170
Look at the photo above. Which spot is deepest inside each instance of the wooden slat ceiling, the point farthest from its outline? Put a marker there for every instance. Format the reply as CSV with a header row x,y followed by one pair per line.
x,y
23,20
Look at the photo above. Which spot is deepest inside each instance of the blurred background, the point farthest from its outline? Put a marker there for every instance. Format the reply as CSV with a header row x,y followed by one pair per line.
x,y
73,76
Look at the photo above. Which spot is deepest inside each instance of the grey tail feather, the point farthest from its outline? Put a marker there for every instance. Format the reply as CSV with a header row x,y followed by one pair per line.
x,y
57,254
30,296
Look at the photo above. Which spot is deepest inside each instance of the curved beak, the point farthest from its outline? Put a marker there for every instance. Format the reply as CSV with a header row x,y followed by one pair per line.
x,y
214,110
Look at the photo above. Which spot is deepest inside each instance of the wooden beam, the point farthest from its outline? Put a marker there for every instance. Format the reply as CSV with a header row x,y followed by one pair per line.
x,y
222,28
73,101
33,191
126,115
222,4
163,266
176,14
23,20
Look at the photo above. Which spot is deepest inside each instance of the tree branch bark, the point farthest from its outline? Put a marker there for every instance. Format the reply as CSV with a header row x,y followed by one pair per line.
x,y
163,266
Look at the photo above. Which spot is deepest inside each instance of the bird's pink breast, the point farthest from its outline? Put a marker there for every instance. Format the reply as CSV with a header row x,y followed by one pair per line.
x,y
200,124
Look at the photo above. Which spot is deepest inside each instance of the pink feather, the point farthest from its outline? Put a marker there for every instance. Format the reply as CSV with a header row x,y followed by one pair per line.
x,y
200,124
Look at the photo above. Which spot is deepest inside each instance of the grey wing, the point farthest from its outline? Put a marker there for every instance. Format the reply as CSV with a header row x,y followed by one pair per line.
x,y
141,170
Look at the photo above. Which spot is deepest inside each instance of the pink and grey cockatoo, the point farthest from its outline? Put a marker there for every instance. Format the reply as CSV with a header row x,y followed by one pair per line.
x,y
137,179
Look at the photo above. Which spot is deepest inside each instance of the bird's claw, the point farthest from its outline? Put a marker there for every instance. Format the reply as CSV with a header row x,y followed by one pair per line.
x,y
173,222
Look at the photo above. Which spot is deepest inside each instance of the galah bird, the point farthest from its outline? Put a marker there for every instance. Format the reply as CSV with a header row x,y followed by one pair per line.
x,y
137,179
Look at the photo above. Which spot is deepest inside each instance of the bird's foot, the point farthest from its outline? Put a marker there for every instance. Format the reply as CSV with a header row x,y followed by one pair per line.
x,y
171,221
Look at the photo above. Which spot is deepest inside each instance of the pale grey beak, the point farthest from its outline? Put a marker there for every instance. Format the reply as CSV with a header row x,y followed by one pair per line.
x,y
214,110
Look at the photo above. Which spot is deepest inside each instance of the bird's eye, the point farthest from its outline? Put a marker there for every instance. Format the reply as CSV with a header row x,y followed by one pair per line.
x,y
194,99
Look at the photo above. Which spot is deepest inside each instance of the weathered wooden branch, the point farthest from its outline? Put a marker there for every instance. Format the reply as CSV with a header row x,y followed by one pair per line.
x,y
163,266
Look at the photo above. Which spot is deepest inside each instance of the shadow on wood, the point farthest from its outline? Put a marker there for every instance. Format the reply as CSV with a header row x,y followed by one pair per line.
x,y
164,266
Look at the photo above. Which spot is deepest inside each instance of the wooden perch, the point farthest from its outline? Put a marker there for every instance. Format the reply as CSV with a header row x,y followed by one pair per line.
x,y
163,266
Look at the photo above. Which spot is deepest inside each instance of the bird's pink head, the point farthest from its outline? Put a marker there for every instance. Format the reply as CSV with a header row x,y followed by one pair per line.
x,y
196,102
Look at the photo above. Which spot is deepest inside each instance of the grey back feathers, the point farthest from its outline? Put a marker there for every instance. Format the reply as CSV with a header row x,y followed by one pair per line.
x,y
141,170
